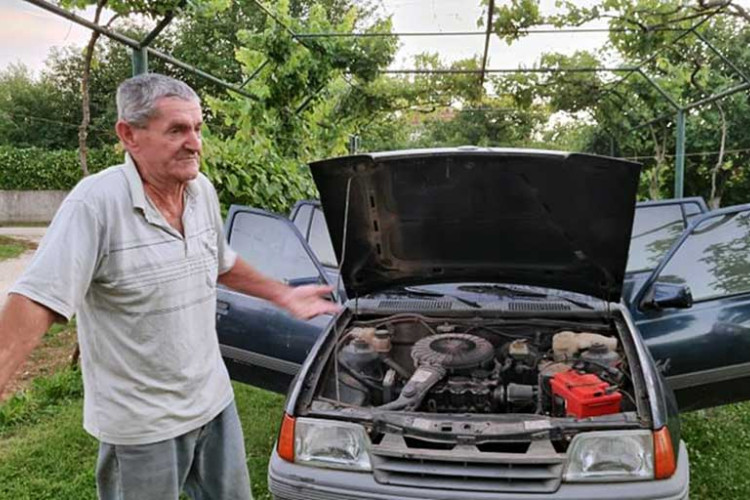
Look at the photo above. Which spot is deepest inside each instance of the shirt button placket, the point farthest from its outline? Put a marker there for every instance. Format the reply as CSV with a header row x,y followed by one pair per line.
x,y
187,226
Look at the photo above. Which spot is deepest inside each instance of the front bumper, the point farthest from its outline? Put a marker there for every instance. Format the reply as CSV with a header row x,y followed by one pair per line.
x,y
298,482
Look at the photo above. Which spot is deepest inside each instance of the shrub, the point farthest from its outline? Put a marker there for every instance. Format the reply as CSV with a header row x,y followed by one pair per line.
x,y
35,169
273,183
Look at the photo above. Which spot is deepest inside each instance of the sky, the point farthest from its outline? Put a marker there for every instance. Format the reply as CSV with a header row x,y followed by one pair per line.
x,y
462,15
27,33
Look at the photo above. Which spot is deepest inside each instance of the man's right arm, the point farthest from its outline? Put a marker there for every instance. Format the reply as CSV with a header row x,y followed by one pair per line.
x,y
23,322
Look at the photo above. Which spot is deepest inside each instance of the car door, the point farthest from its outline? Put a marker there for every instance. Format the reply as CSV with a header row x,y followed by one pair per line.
x,y
702,345
261,343
301,215
308,216
656,226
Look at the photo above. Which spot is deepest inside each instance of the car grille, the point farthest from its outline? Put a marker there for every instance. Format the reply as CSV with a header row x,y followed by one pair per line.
x,y
537,469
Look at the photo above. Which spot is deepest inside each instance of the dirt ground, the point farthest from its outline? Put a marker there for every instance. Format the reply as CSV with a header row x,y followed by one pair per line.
x,y
58,344
54,353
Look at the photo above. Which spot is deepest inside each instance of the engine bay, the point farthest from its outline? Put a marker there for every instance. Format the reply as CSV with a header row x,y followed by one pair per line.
x,y
413,362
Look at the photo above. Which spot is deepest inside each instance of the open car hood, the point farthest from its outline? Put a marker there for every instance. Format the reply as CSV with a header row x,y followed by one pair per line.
x,y
541,218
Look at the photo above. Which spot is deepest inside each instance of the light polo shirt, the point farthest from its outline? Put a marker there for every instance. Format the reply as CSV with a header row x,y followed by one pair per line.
x,y
145,299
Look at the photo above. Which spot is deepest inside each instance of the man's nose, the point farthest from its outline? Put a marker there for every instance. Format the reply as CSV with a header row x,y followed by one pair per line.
x,y
193,141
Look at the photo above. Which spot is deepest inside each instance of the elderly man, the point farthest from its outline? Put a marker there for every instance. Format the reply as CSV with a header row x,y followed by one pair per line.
x,y
136,251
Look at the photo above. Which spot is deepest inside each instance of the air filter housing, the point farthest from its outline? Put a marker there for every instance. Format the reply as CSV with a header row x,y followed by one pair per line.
x,y
453,351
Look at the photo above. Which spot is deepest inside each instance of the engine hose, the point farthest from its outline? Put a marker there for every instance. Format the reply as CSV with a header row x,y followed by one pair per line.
x,y
416,388
396,367
359,377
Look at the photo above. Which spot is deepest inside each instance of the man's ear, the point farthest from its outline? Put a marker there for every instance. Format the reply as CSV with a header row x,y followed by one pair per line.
x,y
126,133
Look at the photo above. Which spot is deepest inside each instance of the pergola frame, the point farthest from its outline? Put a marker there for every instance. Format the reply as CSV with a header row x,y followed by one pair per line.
x,y
141,51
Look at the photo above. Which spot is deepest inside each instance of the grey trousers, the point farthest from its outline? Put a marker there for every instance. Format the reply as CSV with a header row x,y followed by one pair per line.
x,y
207,463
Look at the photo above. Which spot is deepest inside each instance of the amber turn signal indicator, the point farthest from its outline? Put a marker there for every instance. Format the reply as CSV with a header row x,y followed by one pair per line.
x,y
665,463
285,446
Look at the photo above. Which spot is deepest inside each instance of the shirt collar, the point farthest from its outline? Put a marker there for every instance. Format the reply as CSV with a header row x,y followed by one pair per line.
x,y
138,193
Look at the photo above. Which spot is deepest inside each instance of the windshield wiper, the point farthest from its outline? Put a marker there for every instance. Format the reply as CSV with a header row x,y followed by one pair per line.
x,y
430,293
509,291
501,290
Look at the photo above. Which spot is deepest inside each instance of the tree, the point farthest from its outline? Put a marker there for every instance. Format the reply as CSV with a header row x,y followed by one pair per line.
x,y
682,66
190,34
202,24
121,9
493,122
34,112
308,99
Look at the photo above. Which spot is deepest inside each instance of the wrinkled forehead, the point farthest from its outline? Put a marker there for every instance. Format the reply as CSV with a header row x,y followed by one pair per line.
x,y
176,109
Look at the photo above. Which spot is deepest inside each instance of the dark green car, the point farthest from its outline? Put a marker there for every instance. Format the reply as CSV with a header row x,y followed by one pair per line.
x,y
465,276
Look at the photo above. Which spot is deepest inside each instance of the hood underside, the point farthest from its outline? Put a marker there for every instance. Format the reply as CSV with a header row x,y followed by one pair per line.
x,y
539,218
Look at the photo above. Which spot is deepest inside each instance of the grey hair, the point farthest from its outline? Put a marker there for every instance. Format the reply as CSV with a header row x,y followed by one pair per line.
x,y
137,96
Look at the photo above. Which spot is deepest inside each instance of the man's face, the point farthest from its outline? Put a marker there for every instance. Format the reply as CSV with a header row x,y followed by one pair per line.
x,y
168,149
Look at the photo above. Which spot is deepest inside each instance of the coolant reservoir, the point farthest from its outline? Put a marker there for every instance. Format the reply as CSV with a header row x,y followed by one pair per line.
x,y
379,340
358,355
601,355
565,345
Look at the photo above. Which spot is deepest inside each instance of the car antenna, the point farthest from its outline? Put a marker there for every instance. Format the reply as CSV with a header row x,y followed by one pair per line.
x,y
338,288
343,239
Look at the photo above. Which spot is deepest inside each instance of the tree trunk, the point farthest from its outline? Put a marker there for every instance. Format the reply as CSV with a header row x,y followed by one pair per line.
x,y
715,199
88,55
83,129
654,189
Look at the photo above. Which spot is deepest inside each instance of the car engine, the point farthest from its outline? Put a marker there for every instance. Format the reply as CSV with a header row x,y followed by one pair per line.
x,y
411,362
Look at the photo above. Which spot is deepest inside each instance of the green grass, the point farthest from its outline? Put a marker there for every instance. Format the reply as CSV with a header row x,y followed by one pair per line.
x,y
45,453
57,328
260,412
11,248
718,441
49,459
44,400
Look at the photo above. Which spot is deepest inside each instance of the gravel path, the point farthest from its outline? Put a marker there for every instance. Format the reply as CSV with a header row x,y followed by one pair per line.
x,y
11,269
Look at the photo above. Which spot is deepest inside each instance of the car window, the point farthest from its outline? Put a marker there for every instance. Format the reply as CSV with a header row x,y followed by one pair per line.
x,y
301,218
692,210
271,246
320,240
655,228
714,260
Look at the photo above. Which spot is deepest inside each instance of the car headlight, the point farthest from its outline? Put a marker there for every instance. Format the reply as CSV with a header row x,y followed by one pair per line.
x,y
327,443
611,456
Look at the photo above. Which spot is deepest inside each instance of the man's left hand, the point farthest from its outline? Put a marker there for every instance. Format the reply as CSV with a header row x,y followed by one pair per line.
x,y
308,301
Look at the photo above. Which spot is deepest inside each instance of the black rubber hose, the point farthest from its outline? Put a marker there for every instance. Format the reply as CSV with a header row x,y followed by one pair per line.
x,y
368,383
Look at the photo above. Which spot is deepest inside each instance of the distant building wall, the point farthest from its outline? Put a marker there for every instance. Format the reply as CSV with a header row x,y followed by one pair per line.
x,y
29,206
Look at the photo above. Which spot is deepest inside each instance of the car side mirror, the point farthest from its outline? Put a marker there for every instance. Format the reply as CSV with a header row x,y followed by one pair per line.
x,y
667,296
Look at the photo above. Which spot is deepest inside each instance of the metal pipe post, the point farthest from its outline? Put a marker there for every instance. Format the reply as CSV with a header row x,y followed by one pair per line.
x,y
679,172
140,61
353,144
658,88
490,11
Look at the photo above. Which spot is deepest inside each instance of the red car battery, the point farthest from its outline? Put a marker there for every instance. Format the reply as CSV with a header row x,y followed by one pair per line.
x,y
585,394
